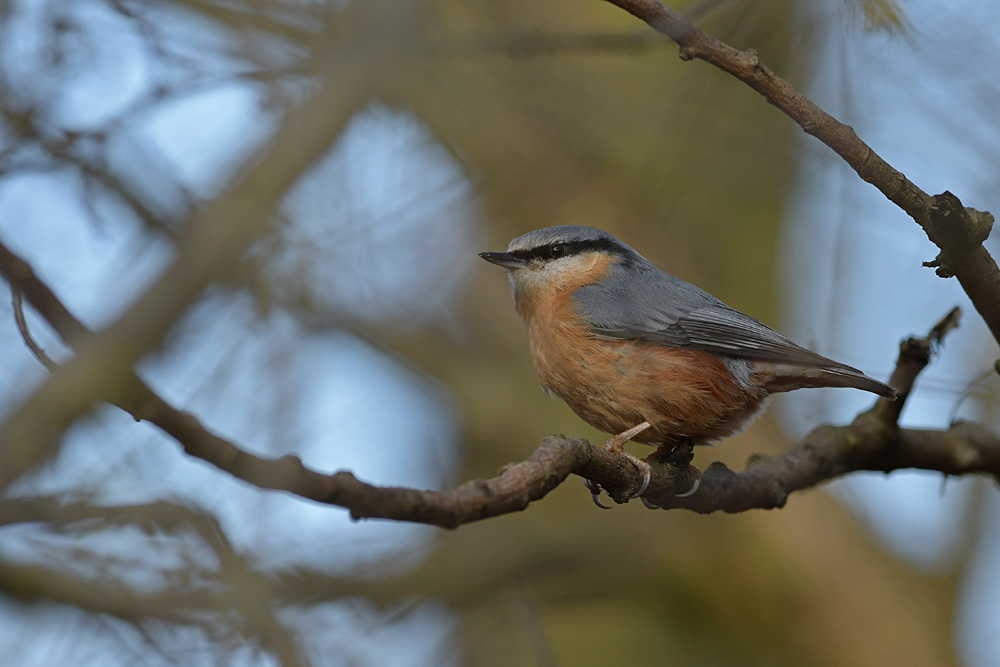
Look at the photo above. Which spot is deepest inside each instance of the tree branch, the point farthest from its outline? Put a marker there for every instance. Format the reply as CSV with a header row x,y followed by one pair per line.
x,y
22,326
957,230
871,442
216,238
208,595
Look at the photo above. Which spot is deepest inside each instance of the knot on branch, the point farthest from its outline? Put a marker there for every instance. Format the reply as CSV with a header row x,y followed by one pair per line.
x,y
956,227
941,269
872,429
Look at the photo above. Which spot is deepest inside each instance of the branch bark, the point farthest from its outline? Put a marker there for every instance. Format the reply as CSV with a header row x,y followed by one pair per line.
x,y
871,442
957,230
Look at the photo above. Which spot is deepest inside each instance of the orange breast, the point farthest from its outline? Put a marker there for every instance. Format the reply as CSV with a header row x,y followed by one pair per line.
x,y
615,384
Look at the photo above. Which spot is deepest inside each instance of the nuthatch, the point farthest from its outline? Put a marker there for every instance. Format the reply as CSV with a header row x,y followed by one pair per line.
x,y
639,353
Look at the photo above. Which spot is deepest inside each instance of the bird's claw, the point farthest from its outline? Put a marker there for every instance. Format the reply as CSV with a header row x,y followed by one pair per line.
x,y
595,491
597,501
645,483
616,446
649,505
647,473
689,492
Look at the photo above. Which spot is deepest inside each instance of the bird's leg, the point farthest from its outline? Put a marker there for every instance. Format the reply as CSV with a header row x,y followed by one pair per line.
x,y
616,445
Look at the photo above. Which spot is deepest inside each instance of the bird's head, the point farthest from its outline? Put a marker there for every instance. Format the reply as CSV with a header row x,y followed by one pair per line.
x,y
559,258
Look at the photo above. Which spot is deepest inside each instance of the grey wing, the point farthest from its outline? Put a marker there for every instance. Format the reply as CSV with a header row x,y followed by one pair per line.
x,y
715,328
650,305
663,309
722,330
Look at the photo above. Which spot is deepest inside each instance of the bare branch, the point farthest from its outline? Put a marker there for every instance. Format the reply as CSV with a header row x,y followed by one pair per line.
x,y
830,452
217,236
957,230
22,325
32,583
914,355
872,442
226,589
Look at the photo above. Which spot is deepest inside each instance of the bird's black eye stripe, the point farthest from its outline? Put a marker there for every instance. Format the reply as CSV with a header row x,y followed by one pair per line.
x,y
557,250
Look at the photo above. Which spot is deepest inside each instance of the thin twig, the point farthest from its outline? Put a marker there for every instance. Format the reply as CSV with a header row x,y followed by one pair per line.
x,y
969,389
914,355
22,326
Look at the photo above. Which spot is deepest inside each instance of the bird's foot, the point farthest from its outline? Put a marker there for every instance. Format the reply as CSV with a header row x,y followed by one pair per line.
x,y
689,492
595,491
679,454
649,505
616,445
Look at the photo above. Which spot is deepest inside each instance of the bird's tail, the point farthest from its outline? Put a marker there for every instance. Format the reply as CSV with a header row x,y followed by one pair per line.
x,y
786,377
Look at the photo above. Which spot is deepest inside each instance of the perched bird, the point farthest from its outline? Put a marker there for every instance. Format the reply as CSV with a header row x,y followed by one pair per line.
x,y
641,354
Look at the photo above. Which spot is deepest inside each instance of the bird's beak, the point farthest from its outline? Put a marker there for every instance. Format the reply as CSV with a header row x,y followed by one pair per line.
x,y
504,259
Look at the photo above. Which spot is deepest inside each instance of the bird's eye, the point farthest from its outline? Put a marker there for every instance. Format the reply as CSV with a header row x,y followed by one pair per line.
x,y
557,251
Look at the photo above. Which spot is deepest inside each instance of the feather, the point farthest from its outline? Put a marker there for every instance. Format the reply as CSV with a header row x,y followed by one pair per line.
x,y
637,301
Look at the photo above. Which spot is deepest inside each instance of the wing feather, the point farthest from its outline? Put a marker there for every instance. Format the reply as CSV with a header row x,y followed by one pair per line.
x,y
669,311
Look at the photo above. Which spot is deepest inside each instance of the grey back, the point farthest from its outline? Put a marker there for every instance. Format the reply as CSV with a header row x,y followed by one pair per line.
x,y
638,301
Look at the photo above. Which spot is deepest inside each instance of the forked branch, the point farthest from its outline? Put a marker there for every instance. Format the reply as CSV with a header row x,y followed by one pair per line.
x,y
871,442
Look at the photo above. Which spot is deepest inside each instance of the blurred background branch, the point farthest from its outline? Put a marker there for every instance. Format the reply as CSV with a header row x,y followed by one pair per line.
x,y
229,593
